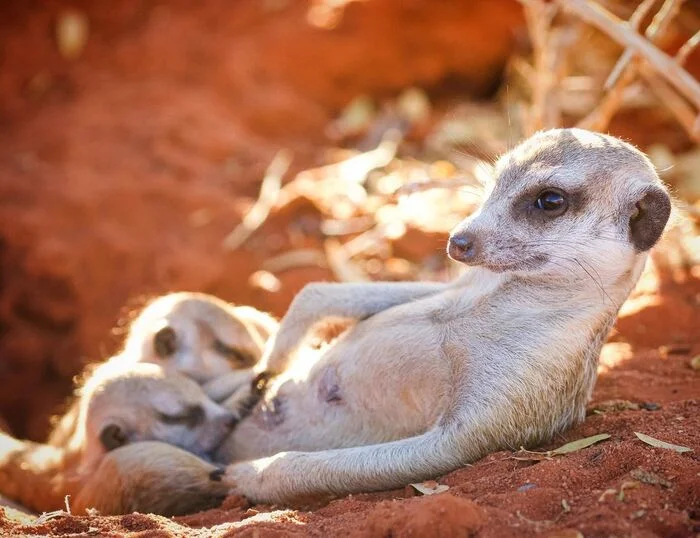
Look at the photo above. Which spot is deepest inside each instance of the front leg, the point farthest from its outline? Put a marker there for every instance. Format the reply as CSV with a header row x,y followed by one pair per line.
x,y
293,475
341,300
223,387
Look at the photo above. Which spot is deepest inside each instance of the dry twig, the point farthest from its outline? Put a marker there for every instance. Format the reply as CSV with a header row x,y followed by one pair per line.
x,y
420,186
619,79
269,194
543,112
340,263
306,257
653,61
658,27
687,48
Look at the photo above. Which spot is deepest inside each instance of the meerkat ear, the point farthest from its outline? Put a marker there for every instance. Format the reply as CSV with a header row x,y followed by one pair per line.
x,y
649,217
113,436
165,342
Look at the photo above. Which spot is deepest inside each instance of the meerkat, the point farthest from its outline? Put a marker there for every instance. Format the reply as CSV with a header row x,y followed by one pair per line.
x,y
115,407
430,377
193,334
200,336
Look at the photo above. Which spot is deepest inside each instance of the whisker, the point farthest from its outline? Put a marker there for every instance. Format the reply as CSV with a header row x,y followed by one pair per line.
x,y
600,285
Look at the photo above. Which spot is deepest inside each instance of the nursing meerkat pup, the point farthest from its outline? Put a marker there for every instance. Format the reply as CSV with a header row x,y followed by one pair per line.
x,y
198,335
433,376
115,407
193,334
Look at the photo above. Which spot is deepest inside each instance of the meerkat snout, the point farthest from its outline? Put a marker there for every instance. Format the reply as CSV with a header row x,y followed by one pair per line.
x,y
566,202
463,247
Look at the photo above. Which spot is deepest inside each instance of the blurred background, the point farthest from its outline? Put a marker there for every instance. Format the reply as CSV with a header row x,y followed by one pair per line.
x,y
243,148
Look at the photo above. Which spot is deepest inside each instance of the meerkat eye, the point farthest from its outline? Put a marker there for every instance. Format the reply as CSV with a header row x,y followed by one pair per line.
x,y
552,201
233,354
190,417
165,342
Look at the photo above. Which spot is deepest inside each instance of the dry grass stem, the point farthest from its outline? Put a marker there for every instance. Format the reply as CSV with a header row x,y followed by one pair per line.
x,y
542,113
681,110
292,259
687,48
652,62
634,23
618,31
269,194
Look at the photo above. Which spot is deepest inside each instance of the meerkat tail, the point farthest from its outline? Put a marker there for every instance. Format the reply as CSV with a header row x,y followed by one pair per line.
x,y
152,477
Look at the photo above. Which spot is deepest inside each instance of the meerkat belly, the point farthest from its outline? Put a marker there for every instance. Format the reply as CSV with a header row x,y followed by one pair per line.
x,y
362,390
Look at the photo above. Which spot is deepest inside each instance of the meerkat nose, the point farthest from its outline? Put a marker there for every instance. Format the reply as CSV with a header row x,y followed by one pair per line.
x,y
463,247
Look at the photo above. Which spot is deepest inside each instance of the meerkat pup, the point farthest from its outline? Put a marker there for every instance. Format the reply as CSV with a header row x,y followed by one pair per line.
x,y
202,337
434,376
115,407
193,334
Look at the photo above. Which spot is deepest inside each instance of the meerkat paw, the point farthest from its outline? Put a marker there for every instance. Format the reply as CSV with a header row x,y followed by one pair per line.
x,y
224,387
246,396
245,479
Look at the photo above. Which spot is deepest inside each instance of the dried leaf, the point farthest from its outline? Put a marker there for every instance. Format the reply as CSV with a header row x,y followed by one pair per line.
x,y
611,406
661,444
573,446
650,478
430,487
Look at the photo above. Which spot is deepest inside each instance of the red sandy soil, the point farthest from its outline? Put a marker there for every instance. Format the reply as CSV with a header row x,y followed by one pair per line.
x,y
122,172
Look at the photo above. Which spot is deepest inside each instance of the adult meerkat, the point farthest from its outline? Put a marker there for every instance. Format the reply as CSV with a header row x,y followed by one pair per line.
x,y
115,407
433,376
193,334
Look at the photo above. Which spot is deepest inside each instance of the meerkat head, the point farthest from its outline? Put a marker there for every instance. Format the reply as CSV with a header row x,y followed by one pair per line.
x,y
198,335
120,406
566,201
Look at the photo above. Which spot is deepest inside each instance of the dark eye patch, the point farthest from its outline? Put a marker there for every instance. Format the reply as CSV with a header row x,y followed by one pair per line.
x,y
233,354
192,416
165,342
539,204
